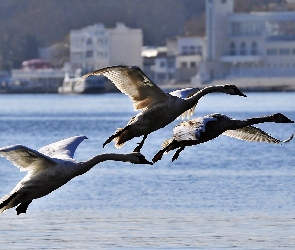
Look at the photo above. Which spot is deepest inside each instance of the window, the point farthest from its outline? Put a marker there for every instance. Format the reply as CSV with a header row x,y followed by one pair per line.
x,y
254,48
243,48
235,27
284,51
193,64
89,53
162,64
199,50
232,48
183,65
89,41
192,50
271,52
171,64
184,50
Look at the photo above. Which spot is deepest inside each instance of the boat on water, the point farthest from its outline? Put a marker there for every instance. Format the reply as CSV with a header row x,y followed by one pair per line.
x,y
78,85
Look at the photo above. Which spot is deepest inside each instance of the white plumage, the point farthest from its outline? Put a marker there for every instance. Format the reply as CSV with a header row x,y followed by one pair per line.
x,y
49,168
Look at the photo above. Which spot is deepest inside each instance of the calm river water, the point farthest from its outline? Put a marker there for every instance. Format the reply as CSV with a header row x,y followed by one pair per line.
x,y
222,194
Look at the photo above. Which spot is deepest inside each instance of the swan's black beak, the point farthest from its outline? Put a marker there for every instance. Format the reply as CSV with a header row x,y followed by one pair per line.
x,y
143,160
240,93
289,120
284,119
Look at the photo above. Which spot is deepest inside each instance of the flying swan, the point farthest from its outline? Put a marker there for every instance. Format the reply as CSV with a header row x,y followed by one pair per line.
x,y
203,129
51,167
158,108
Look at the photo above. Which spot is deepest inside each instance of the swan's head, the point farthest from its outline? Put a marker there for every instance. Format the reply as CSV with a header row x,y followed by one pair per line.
x,y
138,158
232,90
280,118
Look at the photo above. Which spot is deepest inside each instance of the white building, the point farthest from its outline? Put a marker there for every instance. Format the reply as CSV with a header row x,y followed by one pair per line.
x,y
95,46
248,45
178,61
189,54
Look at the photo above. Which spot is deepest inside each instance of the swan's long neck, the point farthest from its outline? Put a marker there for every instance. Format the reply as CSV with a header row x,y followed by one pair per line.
x,y
251,121
210,89
87,165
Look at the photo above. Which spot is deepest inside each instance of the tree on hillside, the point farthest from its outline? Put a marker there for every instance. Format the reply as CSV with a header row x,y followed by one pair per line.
x,y
30,47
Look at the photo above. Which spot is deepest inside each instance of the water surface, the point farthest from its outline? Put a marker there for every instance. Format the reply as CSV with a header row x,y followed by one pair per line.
x,y
222,194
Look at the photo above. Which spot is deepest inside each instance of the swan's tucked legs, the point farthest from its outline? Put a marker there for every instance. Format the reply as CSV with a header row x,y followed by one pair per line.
x,y
138,148
175,156
114,136
5,202
109,139
22,208
158,156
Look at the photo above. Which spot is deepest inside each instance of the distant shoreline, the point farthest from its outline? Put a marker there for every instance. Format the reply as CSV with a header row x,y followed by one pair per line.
x,y
250,84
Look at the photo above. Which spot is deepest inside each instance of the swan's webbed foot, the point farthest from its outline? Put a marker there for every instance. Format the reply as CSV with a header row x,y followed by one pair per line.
x,y
175,156
139,147
22,208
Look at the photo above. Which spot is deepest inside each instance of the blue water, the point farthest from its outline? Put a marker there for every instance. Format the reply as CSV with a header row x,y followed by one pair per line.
x,y
219,195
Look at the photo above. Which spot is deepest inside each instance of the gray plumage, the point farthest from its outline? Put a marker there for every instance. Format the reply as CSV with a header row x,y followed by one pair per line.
x,y
203,129
158,109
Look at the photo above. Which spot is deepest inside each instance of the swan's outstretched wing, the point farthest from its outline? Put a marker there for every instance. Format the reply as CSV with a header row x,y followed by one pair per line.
x,y
63,149
183,94
134,83
25,158
251,133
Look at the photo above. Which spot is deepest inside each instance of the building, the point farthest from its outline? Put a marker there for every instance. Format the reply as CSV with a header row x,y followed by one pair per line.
x,y
177,62
189,54
95,46
35,76
248,45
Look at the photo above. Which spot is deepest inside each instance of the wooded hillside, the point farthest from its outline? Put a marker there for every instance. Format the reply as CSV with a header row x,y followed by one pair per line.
x,y
26,25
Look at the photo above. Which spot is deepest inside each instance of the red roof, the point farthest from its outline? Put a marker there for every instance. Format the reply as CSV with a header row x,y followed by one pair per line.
x,y
36,64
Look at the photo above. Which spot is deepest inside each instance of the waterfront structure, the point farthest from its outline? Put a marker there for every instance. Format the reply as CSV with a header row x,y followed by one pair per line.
x,y
176,62
35,76
95,46
248,45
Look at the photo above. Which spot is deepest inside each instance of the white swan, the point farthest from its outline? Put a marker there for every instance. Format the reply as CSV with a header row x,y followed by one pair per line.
x,y
51,167
203,129
158,108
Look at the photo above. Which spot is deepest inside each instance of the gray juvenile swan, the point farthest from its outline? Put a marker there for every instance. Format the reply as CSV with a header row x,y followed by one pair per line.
x,y
203,129
158,108
51,167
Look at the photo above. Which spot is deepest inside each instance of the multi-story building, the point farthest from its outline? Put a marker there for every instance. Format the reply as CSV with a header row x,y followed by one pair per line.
x,y
178,61
190,51
248,45
95,46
